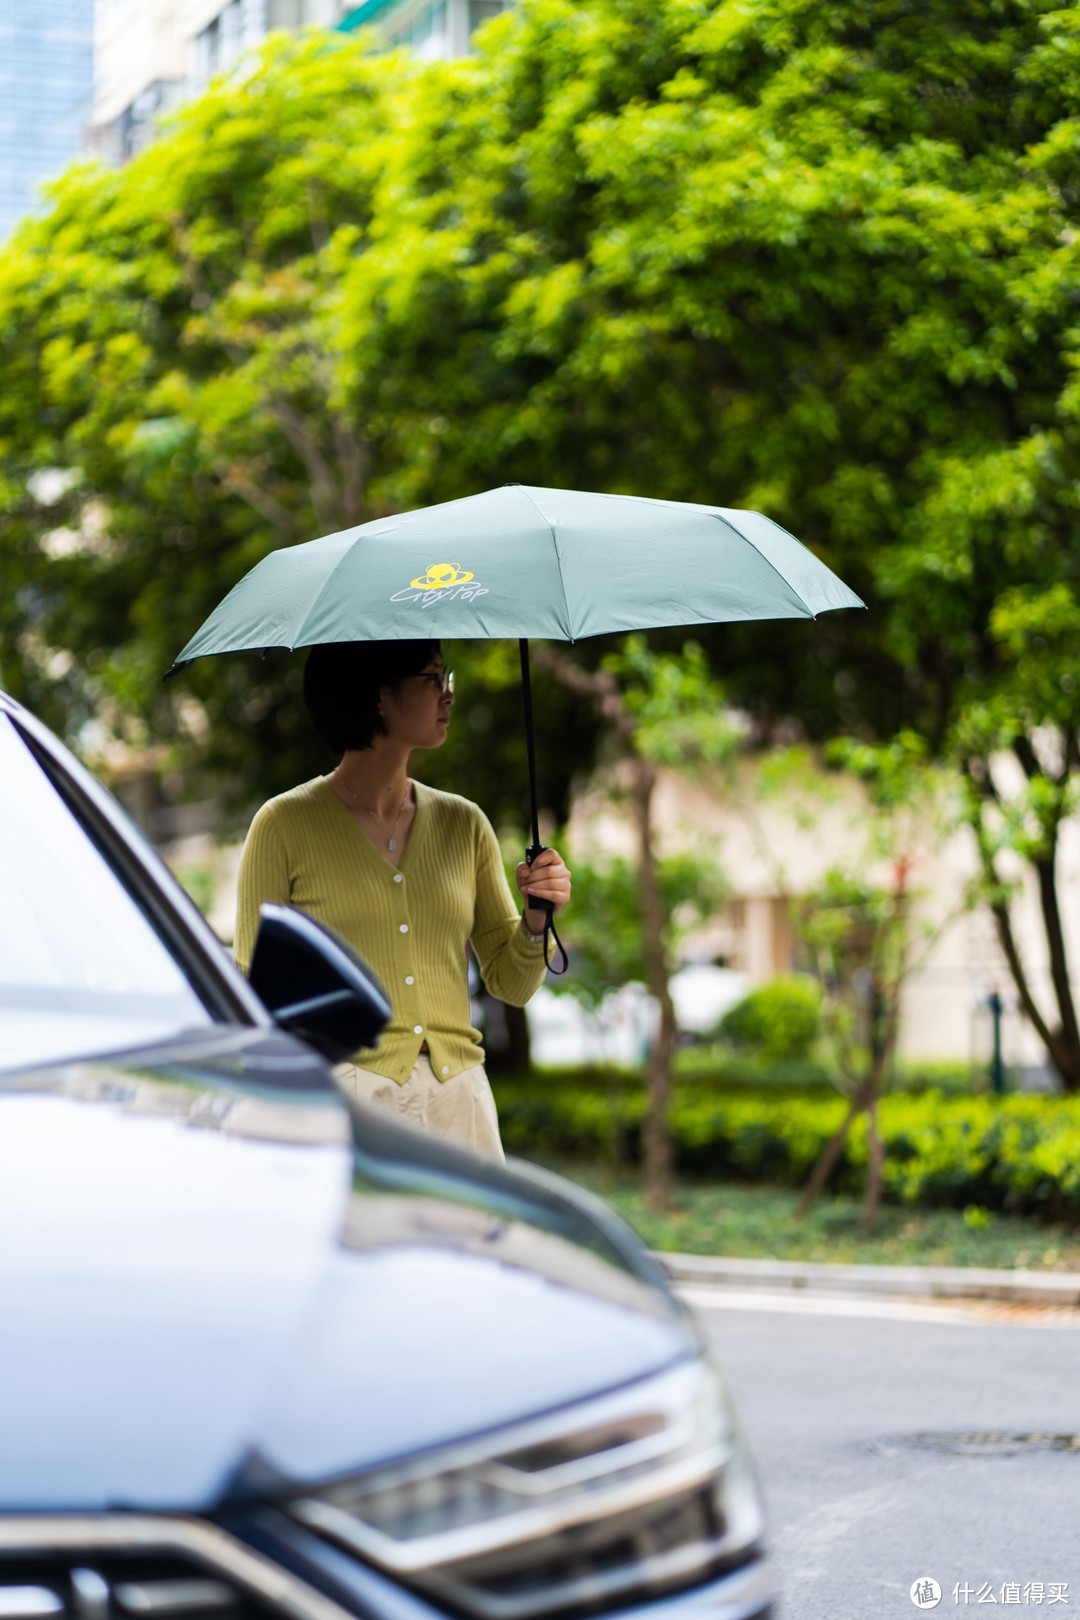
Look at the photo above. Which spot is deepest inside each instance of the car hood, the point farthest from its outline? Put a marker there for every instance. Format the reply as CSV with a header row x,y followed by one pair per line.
x,y
213,1283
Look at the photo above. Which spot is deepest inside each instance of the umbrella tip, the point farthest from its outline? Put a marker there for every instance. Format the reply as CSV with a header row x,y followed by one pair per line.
x,y
175,669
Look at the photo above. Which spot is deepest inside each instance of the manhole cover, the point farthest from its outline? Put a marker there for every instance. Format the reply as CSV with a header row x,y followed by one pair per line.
x,y
980,1444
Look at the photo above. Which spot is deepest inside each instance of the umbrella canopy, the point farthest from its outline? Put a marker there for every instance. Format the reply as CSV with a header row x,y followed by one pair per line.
x,y
520,561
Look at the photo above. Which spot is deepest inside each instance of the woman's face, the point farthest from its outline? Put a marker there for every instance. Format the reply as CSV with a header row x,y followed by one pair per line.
x,y
417,712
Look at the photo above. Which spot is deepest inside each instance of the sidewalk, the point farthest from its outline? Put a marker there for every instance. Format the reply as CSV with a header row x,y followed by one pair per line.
x,y
1060,1288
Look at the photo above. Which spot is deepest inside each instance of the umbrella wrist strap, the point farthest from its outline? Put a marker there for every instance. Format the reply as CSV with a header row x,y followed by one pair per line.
x,y
549,930
548,909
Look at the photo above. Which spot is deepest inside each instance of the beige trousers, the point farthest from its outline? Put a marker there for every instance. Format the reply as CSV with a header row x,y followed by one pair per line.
x,y
461,1109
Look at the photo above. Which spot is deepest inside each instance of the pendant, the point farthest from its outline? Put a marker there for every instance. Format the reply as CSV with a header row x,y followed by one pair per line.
x,y
392,845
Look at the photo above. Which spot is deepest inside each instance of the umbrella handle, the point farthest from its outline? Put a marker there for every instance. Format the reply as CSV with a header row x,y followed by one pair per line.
x,y
535,901
548,908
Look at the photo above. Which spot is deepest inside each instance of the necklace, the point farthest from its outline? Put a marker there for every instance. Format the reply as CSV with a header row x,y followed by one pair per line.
x,y
352,798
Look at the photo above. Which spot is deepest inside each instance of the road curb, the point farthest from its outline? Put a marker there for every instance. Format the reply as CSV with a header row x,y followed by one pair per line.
x,y
1060,1288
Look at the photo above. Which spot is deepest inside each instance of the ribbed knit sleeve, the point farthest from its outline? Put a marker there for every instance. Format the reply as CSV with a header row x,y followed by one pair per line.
x,y
264,875
511,964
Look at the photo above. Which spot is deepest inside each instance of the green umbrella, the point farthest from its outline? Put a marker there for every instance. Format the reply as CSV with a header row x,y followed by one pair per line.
x,y
521,561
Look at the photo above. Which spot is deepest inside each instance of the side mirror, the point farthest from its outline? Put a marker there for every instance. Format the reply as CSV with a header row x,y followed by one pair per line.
x,y
315,985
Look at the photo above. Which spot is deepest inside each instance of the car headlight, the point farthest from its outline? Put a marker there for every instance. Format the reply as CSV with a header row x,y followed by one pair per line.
x,y
634,1492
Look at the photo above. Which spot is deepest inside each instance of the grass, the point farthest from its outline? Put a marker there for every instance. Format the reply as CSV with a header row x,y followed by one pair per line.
x,y
759,1223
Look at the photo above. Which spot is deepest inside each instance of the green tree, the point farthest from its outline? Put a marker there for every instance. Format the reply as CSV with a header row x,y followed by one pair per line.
x,y
817,258
172,408
866,926
175,406
656,710
605,936
857,935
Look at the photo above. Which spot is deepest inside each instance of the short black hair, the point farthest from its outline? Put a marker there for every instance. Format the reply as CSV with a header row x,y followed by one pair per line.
x,y
343,680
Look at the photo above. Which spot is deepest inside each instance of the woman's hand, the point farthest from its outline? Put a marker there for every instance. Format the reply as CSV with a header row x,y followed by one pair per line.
x,y
548,879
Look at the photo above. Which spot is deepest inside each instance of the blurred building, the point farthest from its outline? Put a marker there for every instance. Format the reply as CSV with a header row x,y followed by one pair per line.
x,y
432,28
46,88
153,54
773,851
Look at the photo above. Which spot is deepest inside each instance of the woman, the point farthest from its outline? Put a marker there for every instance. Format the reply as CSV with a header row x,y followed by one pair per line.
x,y
407,875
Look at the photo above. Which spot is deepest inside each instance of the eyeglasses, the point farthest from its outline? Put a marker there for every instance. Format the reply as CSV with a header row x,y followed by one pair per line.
x,y
444,680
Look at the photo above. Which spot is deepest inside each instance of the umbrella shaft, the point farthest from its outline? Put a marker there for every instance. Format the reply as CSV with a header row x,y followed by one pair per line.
x,y
530,739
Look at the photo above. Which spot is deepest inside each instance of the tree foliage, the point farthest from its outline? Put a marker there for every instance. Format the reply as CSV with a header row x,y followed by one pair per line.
x,y
816,257
778,1020
175,406
168,344
822,259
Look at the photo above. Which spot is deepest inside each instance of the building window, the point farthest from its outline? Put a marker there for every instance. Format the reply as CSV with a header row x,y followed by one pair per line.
x,y
481,11
137,125
426,31
217,46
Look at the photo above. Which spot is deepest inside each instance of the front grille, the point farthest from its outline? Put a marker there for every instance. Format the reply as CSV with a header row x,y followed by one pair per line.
x,y
133,1567
118,1586
655,1550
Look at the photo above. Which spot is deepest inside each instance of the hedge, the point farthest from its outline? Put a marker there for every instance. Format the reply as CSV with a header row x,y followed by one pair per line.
x,y
1015,1154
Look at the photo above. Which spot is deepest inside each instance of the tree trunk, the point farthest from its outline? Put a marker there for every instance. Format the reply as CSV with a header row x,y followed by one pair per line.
x,y
1067,1058
884,1023
875,1155
506,1037
602,688
517,1029
1063,1051
830,1153
616,1117
1050,1038
658,1154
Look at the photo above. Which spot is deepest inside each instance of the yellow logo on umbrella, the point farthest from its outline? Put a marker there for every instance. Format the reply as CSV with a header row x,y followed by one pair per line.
x,y
439,576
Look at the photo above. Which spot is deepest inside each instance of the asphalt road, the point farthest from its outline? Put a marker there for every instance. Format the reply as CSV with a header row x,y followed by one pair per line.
x,y
846,1412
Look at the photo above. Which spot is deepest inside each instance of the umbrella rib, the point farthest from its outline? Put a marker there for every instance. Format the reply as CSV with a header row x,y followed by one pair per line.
x,y
317,599
768,560
555,542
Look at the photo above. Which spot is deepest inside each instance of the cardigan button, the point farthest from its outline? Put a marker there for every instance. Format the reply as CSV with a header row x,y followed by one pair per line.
x,y
418,1029
398,878
409,979
404,928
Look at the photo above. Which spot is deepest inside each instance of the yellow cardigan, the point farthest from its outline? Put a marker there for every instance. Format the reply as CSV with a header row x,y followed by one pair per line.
x,y
411,924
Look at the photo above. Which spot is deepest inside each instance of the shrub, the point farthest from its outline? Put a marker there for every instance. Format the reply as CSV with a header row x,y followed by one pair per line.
x,y
1016,1154
778,1021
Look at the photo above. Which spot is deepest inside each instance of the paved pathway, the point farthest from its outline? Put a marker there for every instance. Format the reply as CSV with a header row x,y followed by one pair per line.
x,y
856,1409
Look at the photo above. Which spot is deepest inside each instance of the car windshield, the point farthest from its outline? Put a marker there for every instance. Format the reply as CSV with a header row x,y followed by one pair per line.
x,y
81,968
